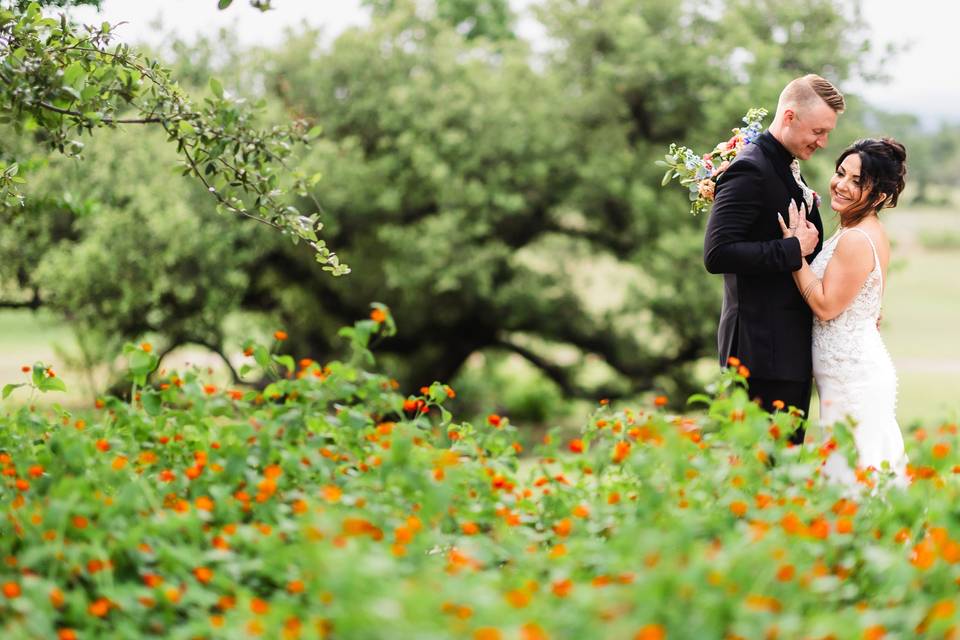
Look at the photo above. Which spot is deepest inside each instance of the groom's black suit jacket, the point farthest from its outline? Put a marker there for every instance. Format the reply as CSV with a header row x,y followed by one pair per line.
x,y
765,322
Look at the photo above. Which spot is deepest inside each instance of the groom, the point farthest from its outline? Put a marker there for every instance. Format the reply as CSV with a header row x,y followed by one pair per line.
x,y
765,322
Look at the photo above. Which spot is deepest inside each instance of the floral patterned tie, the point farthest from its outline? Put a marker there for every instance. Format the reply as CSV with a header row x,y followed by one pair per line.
x,y
809,195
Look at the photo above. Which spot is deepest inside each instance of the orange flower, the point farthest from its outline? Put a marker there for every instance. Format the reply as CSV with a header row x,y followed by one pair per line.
x,y
332,493
99,607
943,609
876,632
66,634
469,528
518,598
296,586
923,555
738,508
378,315
576,446
103,445
660,401
56,598
820,528
733,361
486,633
209,389
146,346
563,527
36,471
786,572
152,580
203,574
620,451
791,523
204,503
778,405
763,603
280,335
11,590
494,420
80,522
581,511
259,607
532,631
941,450
651,632
562,588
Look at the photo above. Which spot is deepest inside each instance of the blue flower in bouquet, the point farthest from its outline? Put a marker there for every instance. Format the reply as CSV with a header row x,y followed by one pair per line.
x,y
699,173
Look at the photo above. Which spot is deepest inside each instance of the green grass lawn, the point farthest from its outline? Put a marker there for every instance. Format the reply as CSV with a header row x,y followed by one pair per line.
x,y
30,336
921,310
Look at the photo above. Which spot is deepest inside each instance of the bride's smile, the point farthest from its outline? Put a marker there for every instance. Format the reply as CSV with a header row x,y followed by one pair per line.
x,y
845,188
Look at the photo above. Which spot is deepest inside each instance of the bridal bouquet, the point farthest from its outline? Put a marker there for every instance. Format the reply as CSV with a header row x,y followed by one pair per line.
x,y
699,173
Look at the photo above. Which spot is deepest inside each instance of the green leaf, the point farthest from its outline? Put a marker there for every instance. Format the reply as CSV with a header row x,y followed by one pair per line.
x,y
72,73
39,373
9,388
52,384
700,398
223,4
152,403
215,85
286,361
261,356
141,362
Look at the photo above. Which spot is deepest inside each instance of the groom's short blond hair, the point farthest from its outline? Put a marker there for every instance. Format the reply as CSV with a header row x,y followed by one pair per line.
x,y
806,90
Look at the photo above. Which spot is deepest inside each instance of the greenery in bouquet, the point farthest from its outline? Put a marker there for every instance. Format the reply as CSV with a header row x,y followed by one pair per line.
x,y
699,173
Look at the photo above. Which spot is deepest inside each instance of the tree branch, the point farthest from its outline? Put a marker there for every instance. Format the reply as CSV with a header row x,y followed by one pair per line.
x,y
106,121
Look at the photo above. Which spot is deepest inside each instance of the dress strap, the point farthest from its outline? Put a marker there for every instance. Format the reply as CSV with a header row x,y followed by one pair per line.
x,y
876,255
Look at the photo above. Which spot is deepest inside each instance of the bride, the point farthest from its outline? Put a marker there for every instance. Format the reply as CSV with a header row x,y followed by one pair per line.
x,y
844,287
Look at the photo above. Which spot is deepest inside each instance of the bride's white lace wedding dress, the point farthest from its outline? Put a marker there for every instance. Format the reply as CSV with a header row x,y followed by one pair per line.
x,y
855,376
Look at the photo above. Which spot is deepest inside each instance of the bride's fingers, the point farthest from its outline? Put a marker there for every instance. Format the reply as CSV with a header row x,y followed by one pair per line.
x,y
783,226
792,213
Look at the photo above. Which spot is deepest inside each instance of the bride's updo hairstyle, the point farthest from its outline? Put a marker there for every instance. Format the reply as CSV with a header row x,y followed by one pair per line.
x,y
883,165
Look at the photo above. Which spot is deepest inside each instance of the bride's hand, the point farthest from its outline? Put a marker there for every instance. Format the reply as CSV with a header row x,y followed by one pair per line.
x,y
790,230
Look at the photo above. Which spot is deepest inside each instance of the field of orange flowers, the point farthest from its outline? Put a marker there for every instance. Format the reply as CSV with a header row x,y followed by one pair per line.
x,y
327,505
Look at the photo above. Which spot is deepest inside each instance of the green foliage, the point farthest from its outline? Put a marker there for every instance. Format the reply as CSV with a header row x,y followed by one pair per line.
x,y
329,505
42,379
59,81
490,19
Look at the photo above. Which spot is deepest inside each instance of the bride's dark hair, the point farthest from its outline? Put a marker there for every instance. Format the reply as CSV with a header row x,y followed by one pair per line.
x,y
883,165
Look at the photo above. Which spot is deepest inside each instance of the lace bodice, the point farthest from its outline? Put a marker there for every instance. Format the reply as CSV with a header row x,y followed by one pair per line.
x,y
863,312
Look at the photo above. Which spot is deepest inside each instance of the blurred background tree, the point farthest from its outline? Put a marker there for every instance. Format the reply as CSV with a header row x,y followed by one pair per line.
x,y
503,202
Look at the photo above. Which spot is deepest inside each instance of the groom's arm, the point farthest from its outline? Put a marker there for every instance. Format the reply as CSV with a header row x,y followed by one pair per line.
x,y
737,207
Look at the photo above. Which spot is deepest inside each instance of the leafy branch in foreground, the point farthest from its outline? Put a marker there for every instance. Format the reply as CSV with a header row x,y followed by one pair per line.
x,y
59,80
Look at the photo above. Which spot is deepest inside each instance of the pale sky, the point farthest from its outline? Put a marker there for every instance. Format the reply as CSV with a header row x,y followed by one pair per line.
x,y
924,80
